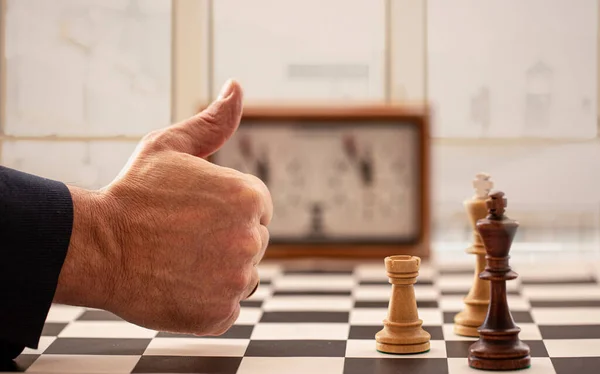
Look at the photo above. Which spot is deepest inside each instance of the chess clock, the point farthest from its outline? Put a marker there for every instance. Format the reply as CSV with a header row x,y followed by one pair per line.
x,y
345,181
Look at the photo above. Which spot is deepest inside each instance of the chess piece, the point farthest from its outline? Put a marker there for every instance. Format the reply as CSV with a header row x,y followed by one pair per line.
x,y
402,332
499,346
477,300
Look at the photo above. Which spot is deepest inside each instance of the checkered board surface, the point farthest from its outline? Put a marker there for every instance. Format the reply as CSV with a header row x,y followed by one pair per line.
x,y
308,321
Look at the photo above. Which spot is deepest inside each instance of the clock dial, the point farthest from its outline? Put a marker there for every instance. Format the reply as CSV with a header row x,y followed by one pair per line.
x,y
333,182
270,154
382,193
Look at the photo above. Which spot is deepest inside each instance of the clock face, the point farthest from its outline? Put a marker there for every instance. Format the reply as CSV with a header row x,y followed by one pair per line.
x,y
333,182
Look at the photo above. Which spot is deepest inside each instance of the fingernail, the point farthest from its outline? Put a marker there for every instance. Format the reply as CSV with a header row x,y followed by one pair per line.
x,y
226,90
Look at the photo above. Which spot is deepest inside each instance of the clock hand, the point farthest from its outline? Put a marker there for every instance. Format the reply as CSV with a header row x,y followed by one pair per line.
x,y
364,166
262,166
366,169
350,147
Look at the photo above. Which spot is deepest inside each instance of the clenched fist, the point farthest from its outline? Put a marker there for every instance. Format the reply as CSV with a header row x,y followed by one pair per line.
x,y
173,242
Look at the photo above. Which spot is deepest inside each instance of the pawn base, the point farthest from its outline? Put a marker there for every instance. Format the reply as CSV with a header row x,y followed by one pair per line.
x,y
464,330
471,318
401,349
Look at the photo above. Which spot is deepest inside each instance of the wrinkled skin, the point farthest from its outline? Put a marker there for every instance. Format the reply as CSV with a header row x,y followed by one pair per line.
x,y
172,243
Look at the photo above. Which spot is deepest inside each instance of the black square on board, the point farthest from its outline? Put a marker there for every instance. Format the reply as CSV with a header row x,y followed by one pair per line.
x,y
460,348
97,346
368,332
251,303
178,364
423,304
296,348
553,281
305,317
466,291
564,303
579,365
19,364
53,329
570,332
381,282
386,282
98,315
395,365
312,293
349,271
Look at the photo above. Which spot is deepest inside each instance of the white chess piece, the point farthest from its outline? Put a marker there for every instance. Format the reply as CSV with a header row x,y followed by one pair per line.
x,y
477,300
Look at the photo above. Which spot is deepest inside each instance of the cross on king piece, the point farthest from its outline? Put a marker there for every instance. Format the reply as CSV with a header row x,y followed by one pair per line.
x,y
482,185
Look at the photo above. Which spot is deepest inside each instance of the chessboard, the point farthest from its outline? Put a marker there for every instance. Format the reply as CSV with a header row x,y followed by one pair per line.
x,y
313,319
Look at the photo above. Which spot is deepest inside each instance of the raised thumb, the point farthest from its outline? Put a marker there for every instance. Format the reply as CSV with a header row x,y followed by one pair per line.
x,y
207,131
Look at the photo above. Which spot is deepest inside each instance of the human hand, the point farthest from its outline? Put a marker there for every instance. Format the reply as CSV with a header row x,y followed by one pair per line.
x,y
173,242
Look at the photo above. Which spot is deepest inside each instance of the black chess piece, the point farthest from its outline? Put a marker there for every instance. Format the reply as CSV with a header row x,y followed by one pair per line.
x,y
499,346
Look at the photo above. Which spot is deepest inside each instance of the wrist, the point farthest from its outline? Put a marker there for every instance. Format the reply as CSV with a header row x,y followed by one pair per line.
x,y
86,278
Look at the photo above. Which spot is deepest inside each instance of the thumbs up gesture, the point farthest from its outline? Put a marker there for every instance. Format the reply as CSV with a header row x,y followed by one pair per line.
x,y
173,242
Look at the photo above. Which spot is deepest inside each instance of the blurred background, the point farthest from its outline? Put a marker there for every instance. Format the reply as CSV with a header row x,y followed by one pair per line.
x,y
513,87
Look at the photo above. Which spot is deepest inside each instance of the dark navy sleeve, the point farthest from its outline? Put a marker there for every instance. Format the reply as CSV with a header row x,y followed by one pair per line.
x,y
36,220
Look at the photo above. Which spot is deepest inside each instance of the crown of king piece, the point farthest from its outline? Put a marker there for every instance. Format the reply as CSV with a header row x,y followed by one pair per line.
x,y
483,185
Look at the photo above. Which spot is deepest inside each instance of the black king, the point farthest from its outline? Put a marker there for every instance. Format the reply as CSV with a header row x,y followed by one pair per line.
x,y
498,347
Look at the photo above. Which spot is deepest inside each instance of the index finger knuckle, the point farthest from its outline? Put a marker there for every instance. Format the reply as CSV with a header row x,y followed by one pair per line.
x,y
250,198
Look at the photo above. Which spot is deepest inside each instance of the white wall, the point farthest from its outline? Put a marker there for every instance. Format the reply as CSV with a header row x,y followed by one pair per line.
x,y
513,68
83,70
95,75
526,71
